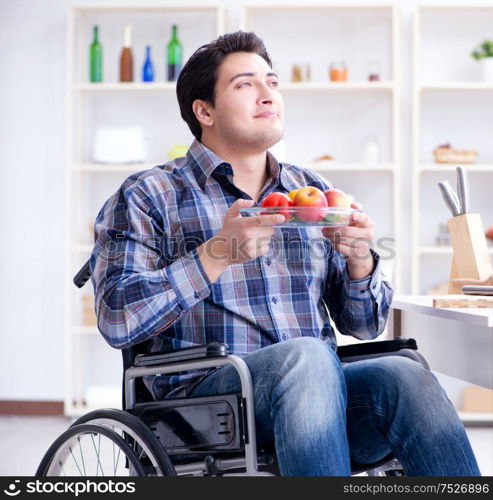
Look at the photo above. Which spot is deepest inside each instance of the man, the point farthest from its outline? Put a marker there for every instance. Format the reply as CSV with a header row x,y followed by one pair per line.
x,y
176,262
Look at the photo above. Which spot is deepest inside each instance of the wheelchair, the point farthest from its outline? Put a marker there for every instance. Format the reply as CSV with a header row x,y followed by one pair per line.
x,y
196,436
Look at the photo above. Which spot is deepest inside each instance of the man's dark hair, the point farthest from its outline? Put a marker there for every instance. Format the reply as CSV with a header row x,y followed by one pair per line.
x,y
198,77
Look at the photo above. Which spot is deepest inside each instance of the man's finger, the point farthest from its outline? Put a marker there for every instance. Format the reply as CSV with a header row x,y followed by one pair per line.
x,y
234,209
265,220
360,219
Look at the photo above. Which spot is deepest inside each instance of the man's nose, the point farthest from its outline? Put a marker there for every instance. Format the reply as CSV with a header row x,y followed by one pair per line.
x,y
266,95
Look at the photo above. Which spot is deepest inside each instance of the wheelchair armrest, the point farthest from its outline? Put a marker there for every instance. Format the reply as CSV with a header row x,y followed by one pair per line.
x,y
210,350
396,347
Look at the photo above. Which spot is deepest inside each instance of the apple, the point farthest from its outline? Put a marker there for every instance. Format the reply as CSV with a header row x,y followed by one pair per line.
x,y
337,198
277,199
489,232
311,197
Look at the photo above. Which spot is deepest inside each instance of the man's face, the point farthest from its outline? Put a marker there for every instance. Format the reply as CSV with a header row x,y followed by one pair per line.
x,y
248,110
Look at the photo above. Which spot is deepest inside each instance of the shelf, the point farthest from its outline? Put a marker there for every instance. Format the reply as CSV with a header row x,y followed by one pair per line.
x,y
125,87
85,330
456,86
441,250
116,168
335,86
171,86
450,167
137,8
86,248
327,166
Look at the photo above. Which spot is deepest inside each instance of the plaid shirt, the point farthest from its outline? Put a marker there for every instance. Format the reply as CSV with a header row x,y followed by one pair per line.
x,y
149,282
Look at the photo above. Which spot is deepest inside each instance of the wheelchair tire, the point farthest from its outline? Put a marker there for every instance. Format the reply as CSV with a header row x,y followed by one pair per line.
x,y
142,439
67,451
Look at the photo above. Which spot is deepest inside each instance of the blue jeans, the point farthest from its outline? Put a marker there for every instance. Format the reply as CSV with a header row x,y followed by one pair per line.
x,y
322,414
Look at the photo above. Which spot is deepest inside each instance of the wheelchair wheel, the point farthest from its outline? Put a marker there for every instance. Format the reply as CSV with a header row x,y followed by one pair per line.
x,y
90,450
140,438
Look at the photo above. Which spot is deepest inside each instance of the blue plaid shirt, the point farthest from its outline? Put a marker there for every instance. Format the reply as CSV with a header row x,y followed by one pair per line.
x,y
149,282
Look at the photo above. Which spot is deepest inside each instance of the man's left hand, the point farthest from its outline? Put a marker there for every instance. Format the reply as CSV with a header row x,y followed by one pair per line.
x,y
354,242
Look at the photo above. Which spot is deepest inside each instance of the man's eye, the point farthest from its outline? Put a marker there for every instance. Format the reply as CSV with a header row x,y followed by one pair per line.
x,y
274,83
243,84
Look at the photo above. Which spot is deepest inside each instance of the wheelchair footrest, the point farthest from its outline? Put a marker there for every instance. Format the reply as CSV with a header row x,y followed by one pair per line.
x,y
196,425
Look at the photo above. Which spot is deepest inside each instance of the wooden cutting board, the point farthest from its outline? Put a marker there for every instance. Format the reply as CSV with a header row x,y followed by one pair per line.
x,y
481,302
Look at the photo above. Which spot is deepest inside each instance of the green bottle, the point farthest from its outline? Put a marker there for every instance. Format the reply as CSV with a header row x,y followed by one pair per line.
x,y
95,58
175,54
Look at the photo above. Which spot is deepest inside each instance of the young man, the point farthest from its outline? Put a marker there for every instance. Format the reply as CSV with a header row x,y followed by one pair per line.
x,y
176,262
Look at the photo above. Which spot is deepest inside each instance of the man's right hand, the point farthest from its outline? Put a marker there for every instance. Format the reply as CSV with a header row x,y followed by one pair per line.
x,y
240,239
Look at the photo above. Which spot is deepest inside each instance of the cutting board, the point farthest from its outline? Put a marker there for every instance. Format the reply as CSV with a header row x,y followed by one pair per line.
x,y
462,301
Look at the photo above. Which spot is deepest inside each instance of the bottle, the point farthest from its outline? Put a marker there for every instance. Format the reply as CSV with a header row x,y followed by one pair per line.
x,y
95,58
175,53
370,150
126,59
148,67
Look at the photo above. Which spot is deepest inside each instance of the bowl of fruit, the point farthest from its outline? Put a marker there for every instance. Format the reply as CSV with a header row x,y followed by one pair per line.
x,y
307,206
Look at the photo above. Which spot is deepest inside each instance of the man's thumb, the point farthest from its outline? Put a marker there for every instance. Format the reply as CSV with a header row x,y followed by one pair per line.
x,y
234,209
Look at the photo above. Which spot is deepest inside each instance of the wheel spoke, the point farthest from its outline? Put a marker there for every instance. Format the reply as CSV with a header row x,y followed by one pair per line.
x,y
77,465
82,457
117,460
98,464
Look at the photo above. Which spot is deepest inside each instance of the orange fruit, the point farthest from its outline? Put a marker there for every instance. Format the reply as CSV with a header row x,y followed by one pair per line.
x,y
292,194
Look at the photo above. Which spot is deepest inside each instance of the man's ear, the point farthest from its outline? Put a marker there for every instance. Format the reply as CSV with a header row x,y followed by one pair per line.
x,y
202,110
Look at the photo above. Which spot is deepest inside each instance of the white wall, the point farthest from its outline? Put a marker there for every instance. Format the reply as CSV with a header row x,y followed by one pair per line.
x,y
32,55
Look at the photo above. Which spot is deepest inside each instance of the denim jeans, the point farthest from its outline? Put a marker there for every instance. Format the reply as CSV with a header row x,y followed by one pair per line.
x,y
322,414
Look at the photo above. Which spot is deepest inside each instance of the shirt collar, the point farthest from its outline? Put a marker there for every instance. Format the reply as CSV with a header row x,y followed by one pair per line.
x,y
204,162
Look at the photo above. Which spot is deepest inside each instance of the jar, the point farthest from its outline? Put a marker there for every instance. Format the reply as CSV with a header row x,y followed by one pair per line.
x,y
338,71
373,71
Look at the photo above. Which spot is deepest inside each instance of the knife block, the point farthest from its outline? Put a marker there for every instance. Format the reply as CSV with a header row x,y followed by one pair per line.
x,y
471,258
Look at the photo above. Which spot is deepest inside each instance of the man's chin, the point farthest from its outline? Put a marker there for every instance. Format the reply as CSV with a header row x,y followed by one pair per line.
x,y
267,140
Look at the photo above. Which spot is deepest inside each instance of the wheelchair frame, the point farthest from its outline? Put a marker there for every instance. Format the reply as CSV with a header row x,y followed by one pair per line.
x,y
213,355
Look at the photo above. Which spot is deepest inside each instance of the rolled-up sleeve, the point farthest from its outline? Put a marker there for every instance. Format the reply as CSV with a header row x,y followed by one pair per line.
x,y
139,291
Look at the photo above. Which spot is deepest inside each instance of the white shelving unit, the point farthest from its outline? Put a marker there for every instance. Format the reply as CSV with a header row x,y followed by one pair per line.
x,y
92,369
324,117
447,93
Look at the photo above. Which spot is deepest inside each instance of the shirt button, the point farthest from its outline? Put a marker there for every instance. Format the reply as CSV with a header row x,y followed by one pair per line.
x,y
284,336
274,299
268,262
362,291
196,295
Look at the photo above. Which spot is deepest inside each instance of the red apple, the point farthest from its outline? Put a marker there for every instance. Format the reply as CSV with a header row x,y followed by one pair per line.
x,y
489,232
277,200
310,197
337,198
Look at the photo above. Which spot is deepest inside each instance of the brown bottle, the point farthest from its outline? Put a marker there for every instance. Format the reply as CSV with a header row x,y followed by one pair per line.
x,y
126,59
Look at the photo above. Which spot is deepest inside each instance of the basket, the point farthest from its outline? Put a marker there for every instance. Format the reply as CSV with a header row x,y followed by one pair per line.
x,y
448,155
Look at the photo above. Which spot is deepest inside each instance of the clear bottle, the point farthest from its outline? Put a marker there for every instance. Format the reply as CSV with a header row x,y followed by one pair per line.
x,y
175,55
148,67
95,58
126,58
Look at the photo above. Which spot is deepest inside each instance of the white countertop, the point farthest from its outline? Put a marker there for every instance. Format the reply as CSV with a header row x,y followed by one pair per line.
x,y
423,304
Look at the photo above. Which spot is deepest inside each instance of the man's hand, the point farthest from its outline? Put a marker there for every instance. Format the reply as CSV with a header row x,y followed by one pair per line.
x,y
354,242
240,239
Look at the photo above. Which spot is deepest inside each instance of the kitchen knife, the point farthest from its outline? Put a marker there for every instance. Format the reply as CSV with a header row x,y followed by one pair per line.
x,y
463,190
453,196
448,198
